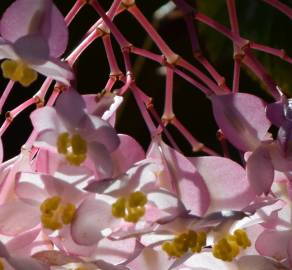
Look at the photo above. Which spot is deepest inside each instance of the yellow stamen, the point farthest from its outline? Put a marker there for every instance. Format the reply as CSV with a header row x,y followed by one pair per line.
x,y
1,265
54,214
131,208
18,71
229,247
184,242
74,148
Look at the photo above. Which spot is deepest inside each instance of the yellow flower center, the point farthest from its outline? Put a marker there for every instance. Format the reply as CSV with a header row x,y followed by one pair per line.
x,y
18,71
1,265
55,214
181,244
229,247
131,208
74,148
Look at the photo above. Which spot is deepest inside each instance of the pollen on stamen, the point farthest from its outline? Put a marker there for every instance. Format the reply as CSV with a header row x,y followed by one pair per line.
x,y
228,247
74,148
131,209
19,72
55,214
185,242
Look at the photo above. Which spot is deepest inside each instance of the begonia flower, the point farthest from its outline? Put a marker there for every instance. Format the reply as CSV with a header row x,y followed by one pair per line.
x,y
33,42
127,205
78,136
41,200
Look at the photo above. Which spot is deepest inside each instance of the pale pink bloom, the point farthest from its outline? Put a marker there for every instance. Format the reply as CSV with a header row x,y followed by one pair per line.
x,y
36,38
70,117
32,190
94,219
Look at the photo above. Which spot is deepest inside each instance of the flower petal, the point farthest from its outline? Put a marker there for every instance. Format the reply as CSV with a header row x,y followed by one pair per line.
x,y
17,217
97,130
101,159
226,181
181,177
56,70
42,18
92,216
242,119
122,158
260,170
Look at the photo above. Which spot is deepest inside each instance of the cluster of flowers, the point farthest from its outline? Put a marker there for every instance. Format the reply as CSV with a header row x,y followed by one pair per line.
x,y
80,196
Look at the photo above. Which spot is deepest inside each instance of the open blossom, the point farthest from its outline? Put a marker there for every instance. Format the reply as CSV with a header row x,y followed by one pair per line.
x,y
33,42
78,136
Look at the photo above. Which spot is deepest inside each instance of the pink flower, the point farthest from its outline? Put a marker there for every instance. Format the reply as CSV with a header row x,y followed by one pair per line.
x,y
33,42
75,134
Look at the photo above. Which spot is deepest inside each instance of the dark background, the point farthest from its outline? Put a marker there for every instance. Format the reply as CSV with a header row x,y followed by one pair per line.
x,y
258,22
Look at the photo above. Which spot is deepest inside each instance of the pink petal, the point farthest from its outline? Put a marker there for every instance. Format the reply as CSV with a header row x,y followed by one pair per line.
x,y
115,252
7,51
226,182
275,113
101,159
95,129
14,26
17,217
22,263
166,202
70,107
151,259
242,119
260,170
258,263
184,179
92,216
32,49
1,151
64,242
55,69
122,158
66,191
104,106
25,243
46,118
274,243
41,18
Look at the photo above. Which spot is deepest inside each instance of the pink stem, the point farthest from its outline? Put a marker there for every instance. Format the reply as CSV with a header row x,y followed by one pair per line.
x,y
186,65
82,46
110,83
235,30
13,113
114,68
250,61
6,93
114,10
74,10
44,88
236,75
148,121
196,145
213,72
281,7
162,127
159,59
168,114
113,28
170,56
279,53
